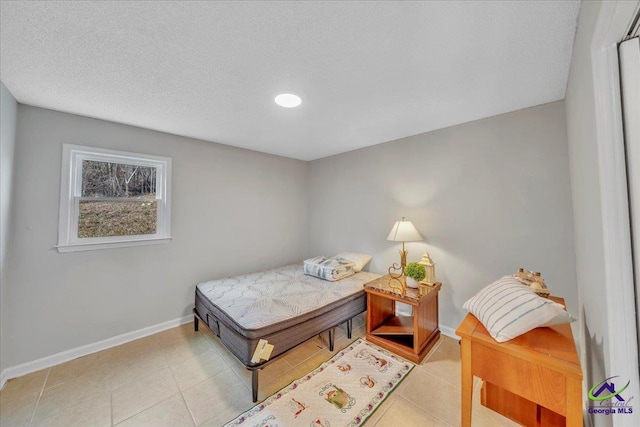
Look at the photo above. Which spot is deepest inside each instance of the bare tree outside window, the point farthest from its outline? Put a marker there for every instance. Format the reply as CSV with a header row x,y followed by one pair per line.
x,y
117,199
113,199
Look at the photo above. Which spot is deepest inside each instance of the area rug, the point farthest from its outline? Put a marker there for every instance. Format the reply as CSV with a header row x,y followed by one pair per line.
x,y
343,391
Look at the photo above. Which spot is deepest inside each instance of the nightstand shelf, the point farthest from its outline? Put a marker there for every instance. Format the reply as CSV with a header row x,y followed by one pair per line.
x,y
408,336
396,325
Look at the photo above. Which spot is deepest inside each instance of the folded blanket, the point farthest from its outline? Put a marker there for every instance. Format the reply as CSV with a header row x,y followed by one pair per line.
x,y
330,269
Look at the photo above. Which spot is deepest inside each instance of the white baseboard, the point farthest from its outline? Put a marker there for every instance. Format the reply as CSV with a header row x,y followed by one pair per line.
x,y
450,332
65,356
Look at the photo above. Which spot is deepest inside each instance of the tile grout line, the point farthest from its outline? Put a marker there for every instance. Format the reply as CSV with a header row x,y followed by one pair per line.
x,y
182,395
146,409
424,410
431,353
455,384
436,349
166,362
33,414
155,404
383,412
187,406
244,383
111,402
217,351
447,380
111,371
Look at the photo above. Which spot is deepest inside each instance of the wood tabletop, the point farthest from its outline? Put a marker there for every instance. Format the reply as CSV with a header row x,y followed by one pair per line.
x,y
381,285
553,345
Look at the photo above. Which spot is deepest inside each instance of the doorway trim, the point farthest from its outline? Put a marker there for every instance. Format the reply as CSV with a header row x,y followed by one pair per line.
x,y
622,351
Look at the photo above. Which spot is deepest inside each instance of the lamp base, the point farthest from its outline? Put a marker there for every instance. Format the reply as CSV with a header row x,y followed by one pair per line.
x,y
403,259
397,281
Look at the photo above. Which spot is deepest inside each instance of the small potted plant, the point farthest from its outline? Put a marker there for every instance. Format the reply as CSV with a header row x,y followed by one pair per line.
x,y
414,273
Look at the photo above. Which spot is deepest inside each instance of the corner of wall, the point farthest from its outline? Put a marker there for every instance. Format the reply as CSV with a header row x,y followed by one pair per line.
x,y
8,115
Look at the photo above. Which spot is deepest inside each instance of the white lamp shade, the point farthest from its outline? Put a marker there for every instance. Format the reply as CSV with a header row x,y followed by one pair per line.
x,y
404,231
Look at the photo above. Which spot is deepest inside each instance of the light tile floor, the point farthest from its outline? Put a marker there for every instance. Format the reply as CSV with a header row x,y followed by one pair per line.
x,y
184,378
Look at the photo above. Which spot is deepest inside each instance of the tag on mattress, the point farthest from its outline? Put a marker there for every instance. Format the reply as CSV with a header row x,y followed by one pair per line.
x,y
263,351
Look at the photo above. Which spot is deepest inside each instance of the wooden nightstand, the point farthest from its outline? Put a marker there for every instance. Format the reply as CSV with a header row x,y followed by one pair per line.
x,y
408,336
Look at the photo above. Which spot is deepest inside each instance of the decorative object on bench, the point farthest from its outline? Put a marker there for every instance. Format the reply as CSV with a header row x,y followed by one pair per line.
x,y
507,308
534,280
343,391
414,273
402,231
282,306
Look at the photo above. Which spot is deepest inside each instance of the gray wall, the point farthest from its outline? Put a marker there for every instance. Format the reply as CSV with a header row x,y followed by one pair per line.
x,y
488,196
233,211
585,188
8,108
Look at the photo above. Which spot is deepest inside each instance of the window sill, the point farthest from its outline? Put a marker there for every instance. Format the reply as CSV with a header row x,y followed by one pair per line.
x,y
109,245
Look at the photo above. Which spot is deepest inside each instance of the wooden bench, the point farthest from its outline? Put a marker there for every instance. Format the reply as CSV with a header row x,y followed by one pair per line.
x,y
534,379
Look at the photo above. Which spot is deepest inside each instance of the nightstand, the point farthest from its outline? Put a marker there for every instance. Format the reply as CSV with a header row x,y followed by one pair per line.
x,y
408,336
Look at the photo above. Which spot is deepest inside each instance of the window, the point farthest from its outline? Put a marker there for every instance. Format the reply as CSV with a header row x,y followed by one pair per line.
x,y
112,199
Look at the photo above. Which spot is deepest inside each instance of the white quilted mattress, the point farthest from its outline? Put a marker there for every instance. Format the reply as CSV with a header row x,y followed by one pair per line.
x,y
262,299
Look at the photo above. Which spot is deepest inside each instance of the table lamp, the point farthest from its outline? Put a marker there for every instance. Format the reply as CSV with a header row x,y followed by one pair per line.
x,y
404,231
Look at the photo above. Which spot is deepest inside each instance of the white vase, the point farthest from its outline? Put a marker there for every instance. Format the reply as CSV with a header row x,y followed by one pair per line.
x,y
411,282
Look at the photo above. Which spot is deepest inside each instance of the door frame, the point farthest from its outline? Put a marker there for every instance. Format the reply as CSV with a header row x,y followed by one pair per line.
x,y
622,352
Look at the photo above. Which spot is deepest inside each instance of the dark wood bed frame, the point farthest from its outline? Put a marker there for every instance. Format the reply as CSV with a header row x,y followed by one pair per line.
x,y
256,367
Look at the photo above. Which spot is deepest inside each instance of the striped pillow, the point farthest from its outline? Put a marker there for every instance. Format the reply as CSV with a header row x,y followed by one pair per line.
x,y
508,309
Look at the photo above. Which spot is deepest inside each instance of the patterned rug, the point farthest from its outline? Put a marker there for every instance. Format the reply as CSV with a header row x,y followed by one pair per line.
x,y
343,391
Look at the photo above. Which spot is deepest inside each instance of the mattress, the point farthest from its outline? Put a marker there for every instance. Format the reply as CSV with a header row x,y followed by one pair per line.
x,y
282,305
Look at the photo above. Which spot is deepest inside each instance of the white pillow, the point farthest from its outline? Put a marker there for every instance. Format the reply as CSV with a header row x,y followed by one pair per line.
x,y
508,309
360,260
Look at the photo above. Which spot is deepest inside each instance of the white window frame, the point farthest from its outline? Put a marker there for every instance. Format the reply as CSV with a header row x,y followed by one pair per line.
x,y
70,197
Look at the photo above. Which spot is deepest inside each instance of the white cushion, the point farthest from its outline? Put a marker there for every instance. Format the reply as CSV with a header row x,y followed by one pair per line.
x,y
359,260
508,309
330,269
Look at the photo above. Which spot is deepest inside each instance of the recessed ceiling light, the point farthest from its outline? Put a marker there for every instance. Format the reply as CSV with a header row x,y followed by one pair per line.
x,y
288,100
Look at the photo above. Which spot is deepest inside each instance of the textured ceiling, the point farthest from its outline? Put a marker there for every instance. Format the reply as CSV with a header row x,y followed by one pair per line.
x,y
367,72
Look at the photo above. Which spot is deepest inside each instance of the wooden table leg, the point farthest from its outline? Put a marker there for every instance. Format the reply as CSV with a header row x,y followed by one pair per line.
x,y
573,398
467,382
